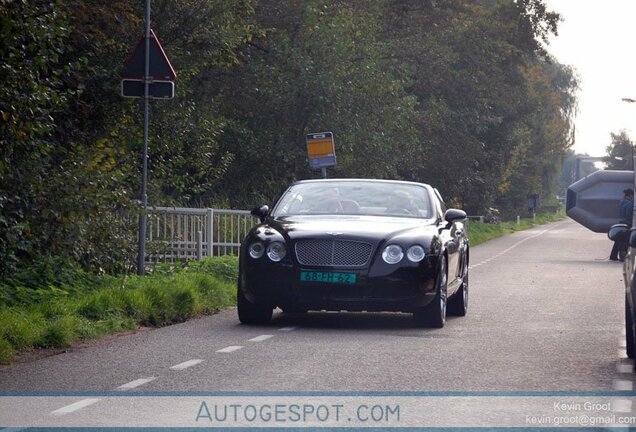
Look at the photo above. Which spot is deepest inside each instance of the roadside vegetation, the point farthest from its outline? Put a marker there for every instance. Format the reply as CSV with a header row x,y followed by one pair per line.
x,y
482,232
58,303
460,94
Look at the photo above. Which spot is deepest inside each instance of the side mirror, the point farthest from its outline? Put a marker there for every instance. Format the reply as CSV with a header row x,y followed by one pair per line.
x,y
618,233
260,212
453,215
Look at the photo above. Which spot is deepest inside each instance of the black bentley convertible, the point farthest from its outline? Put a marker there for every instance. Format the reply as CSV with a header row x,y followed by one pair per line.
x,y
356,245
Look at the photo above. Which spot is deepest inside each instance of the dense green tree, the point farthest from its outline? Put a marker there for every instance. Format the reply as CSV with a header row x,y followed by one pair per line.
x,y
457,93
318,67
620,152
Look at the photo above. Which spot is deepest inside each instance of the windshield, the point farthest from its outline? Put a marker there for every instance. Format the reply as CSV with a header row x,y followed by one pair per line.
x,y
355,198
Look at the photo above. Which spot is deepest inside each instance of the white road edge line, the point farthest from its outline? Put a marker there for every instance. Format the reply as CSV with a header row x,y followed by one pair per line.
x,y
136,383
287,329
261,338
230,349
74,406
186,364
505,251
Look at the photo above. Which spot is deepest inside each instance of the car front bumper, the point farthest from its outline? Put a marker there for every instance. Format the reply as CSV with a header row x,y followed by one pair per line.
x,y
396,288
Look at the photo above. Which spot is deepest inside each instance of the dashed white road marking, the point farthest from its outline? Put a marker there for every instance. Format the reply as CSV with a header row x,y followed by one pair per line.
x,y
230,349
261,338
625,368
136,383
287,329
186,364
622,353
623,385
75,406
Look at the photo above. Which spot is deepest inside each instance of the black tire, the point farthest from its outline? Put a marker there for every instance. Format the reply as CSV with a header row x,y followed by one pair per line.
x,y
434,315
250,313
458,303
629,330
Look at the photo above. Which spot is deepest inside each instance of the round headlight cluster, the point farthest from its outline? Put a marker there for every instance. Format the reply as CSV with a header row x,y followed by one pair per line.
x,y
256,250
415,253
393,254
276,251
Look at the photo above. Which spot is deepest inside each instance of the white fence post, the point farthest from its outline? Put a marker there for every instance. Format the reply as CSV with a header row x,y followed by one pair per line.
x,y
199,245
209,229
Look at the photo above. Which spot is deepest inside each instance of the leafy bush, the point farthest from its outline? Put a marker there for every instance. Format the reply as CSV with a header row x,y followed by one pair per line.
x,y
225,267
61,332
22,330
103,305
6,351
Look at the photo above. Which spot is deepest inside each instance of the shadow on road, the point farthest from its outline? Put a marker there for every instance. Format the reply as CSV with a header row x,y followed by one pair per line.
x,y
360,321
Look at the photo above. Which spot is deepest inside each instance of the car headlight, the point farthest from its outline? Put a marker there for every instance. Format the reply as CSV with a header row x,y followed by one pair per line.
x,y
415,253
256,250
276,251
392,254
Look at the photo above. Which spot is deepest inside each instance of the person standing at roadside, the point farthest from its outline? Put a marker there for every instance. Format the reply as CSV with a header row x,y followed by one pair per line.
x,y
626,206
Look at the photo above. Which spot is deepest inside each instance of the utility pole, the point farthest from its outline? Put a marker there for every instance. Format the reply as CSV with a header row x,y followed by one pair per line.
x,y
141,260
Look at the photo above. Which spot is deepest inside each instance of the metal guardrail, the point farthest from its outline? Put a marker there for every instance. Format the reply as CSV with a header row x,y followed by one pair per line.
x,y
178,233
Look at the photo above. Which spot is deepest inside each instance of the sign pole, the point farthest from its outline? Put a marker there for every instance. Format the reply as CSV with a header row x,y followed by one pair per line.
x,y
144,181
324,172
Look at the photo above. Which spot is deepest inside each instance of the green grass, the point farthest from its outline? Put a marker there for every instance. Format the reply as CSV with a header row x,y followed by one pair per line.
x,y
96,307
482,232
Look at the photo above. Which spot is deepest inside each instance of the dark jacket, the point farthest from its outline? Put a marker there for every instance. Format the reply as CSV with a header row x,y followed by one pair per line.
x,y
626,209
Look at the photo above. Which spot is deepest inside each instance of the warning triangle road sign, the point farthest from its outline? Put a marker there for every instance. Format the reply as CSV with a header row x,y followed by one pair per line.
x,y
160,67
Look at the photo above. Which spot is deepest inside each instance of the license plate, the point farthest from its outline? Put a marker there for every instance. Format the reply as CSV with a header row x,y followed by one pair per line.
x,y
328,277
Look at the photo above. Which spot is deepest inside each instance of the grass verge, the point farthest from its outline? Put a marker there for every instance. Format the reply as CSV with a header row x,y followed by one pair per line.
x,y
168,295
482,232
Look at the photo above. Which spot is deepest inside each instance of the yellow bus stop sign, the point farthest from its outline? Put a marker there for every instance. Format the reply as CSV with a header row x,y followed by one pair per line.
x,y
321,150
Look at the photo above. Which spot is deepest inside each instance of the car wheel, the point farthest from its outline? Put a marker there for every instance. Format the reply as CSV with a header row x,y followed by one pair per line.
x,y
458,304
434,315
250,313
629,330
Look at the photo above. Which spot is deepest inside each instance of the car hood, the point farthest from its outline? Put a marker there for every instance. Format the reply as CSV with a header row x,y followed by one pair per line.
x,y
371,228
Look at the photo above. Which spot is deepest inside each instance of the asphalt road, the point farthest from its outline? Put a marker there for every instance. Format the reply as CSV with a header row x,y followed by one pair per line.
x,y
546,314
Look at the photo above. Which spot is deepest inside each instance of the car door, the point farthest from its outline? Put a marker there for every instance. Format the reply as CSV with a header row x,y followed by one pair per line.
x,y
452,240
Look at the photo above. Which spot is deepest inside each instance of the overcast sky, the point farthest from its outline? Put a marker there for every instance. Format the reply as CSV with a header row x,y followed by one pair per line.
x,y
598,39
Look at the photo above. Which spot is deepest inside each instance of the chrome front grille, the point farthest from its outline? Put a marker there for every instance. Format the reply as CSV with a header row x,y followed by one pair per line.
x,y
342,253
